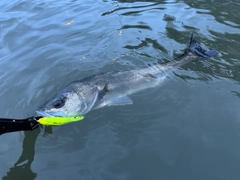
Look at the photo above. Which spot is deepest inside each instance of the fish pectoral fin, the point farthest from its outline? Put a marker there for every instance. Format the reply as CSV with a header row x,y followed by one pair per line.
x,y
106,88
103,92
121,100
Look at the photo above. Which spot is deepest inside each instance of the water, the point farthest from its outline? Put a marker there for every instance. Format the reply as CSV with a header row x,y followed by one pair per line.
x,y
186,129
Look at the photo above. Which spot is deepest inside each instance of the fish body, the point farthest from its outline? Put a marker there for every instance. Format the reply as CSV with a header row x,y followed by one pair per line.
x,y
114,88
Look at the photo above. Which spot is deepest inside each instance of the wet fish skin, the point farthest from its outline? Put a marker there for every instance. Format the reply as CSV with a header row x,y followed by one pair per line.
x,y
113,88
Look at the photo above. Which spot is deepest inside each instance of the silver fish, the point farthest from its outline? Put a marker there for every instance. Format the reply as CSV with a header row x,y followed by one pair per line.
x,y
113,88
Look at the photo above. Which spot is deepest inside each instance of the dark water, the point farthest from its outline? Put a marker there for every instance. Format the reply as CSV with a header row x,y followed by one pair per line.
x,y
189,128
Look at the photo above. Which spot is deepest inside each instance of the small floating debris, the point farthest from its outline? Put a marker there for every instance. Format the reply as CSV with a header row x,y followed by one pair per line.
x,y
120,33
69,23
82,58
114,59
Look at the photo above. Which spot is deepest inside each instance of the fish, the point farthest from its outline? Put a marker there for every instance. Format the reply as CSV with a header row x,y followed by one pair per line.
x,y
114,88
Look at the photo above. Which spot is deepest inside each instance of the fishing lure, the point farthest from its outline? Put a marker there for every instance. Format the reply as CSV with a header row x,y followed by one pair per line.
x,y
56,121
31,123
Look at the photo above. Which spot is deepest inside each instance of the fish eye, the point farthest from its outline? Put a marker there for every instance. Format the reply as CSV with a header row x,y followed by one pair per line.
x,y
58,104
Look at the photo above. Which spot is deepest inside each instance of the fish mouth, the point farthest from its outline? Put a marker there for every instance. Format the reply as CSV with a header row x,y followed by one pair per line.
x,y
49,114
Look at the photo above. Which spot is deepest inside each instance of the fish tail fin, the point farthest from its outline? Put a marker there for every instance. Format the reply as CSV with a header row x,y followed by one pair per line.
x,y
195,47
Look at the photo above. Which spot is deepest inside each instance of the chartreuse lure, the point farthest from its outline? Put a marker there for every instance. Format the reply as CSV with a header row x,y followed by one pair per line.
x,y
56,121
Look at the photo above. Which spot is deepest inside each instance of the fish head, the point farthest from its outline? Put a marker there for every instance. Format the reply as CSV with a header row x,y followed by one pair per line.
x,y
64,104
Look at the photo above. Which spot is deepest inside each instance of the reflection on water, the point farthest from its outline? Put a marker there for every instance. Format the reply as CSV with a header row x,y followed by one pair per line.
x,y
22,168
186,129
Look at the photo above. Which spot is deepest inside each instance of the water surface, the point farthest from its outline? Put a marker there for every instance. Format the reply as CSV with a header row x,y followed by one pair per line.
x,y
188,128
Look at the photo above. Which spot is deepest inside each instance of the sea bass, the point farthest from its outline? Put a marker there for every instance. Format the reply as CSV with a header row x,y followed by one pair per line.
x,y
114,88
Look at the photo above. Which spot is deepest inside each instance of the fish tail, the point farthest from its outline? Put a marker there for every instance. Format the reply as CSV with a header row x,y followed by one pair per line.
x,y
195,47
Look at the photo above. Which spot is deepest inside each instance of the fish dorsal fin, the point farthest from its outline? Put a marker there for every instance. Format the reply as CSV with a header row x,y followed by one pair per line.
x,y
120,100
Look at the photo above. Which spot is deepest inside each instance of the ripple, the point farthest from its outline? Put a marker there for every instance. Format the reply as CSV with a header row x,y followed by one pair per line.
x,y
122,8
40,55
136,26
